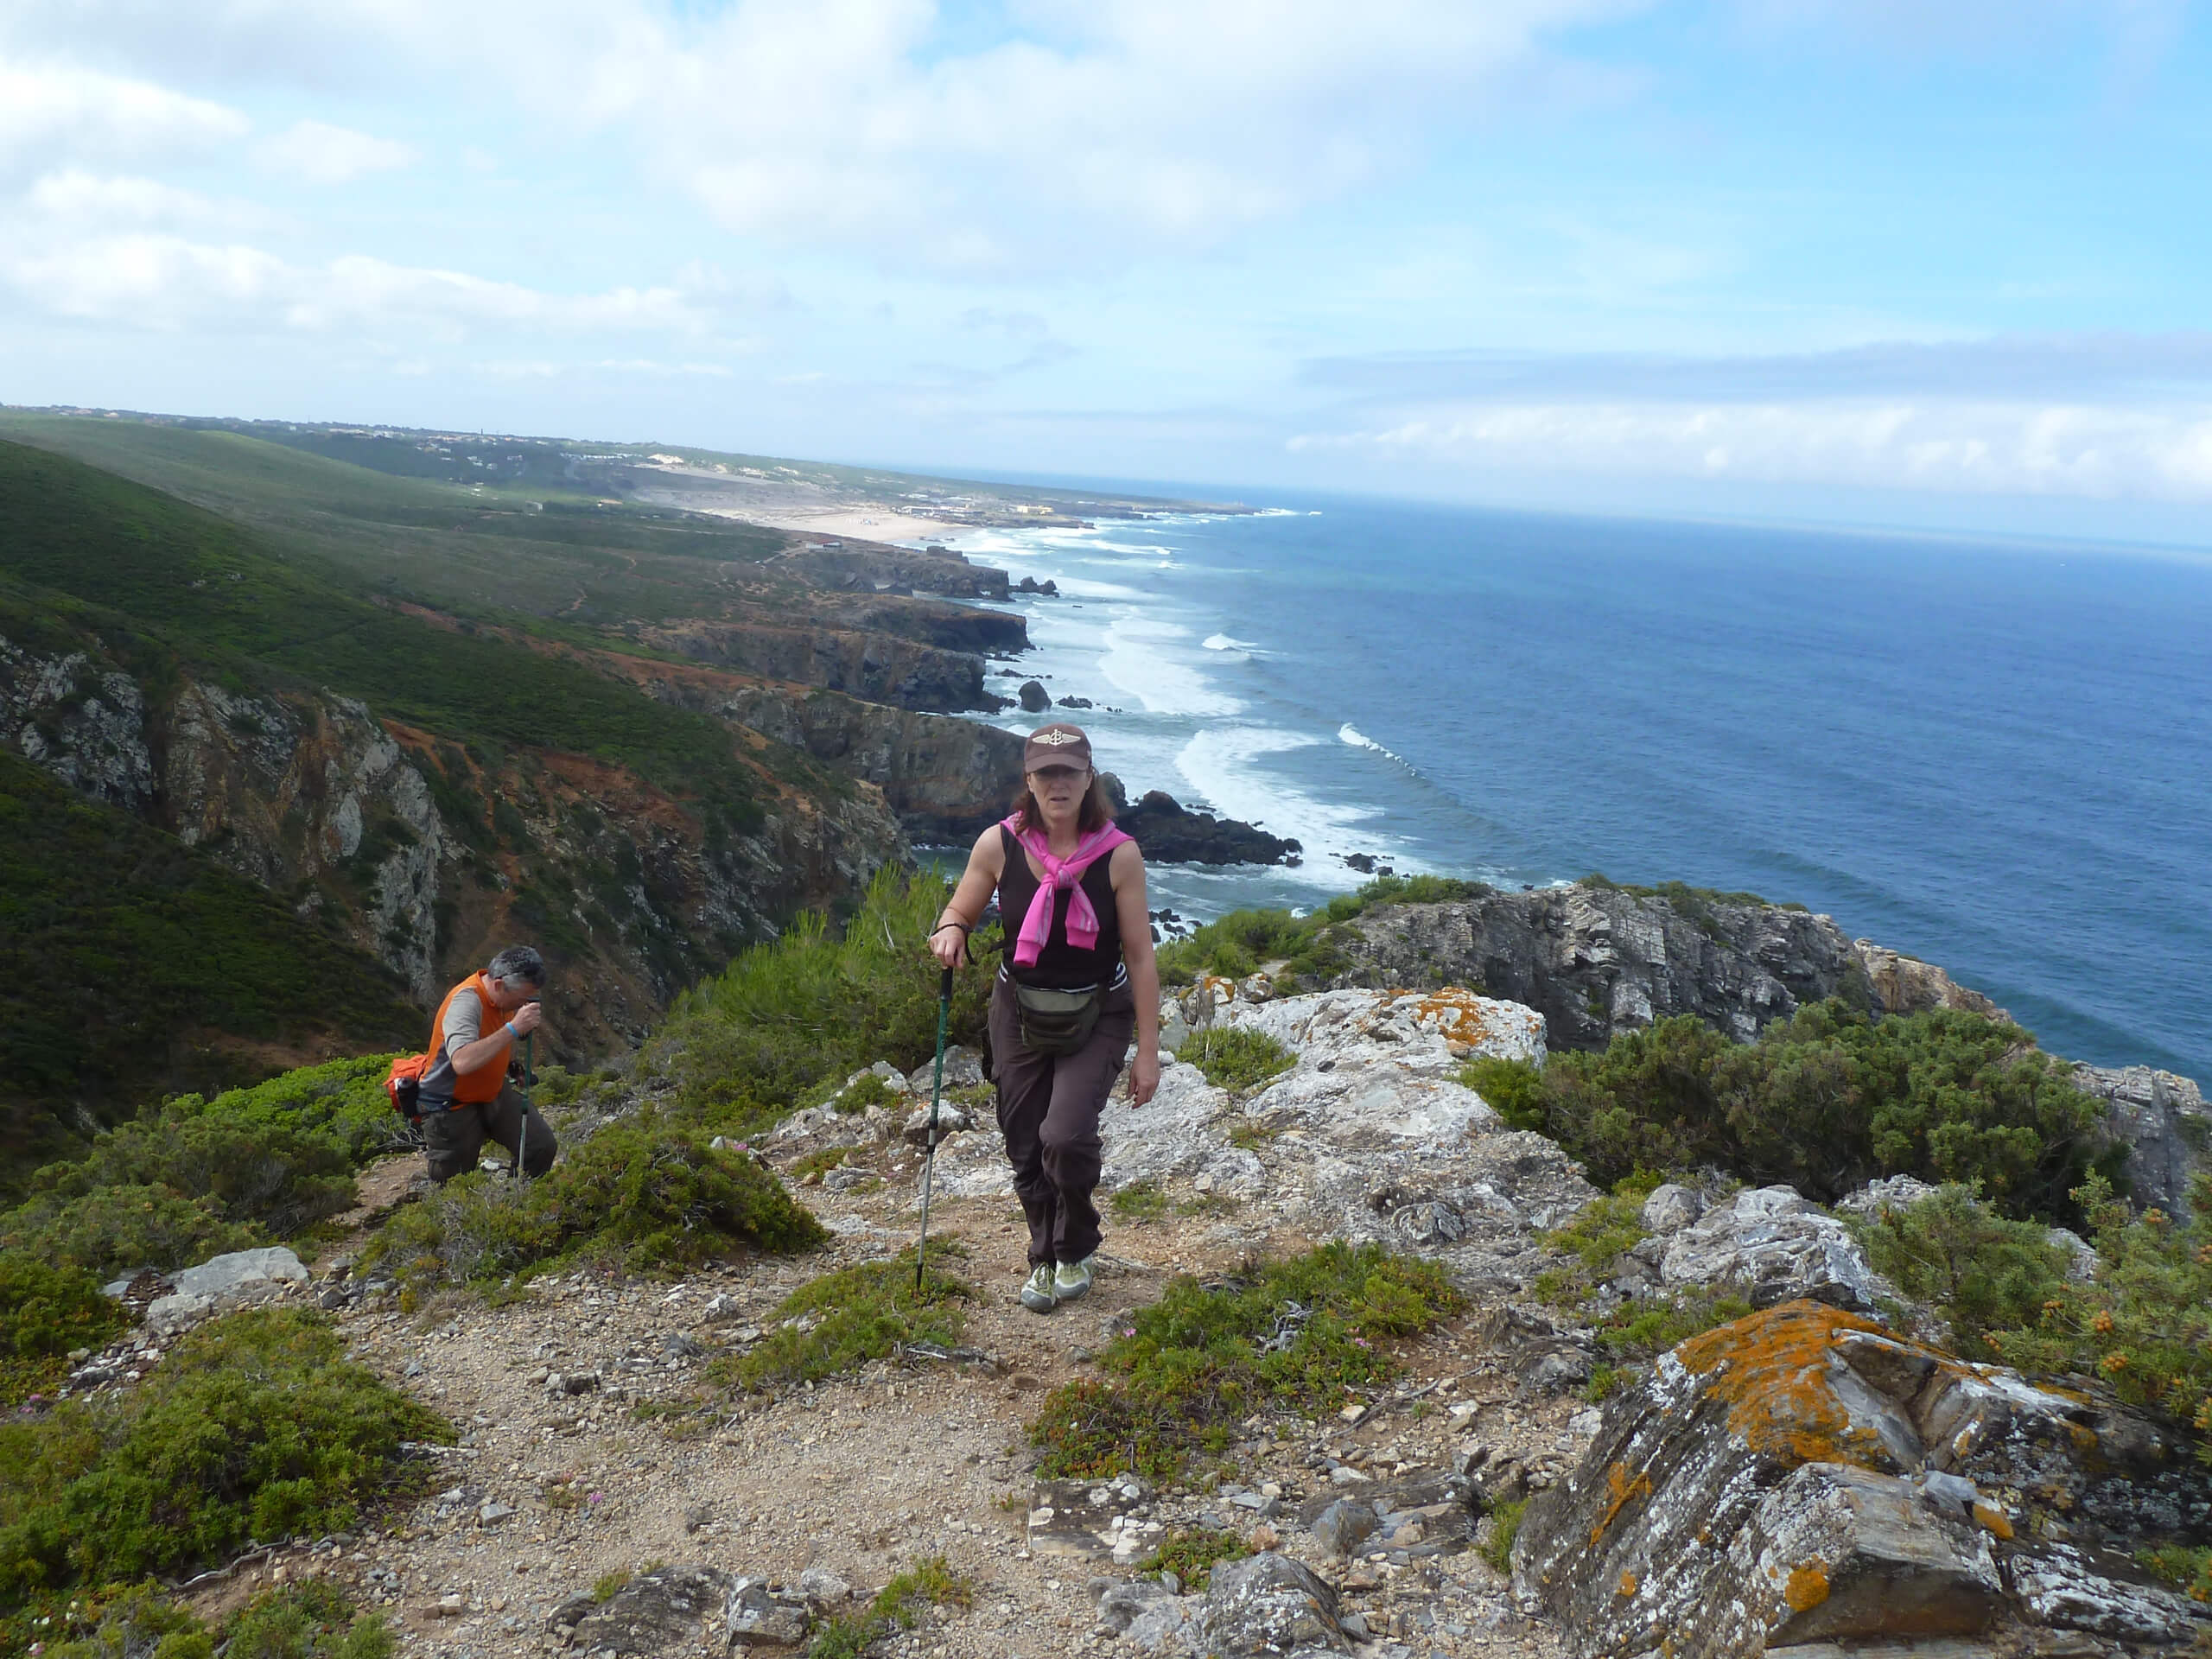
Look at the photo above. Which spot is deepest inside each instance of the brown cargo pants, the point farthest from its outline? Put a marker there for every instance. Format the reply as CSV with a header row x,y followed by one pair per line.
x,y
454,1138
1048,1111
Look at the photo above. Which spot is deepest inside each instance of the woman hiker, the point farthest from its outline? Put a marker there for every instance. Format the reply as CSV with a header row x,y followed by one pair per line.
x,y
1077,979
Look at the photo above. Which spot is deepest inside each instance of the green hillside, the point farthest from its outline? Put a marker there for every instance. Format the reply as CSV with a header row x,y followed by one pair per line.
x,y
125,954
221,592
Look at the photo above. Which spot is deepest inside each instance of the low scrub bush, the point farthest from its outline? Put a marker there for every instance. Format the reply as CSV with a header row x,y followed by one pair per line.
x,y
1294,1335
1235,1058
1512,1089
1827,1100
652,1194
113,1230
1139,1201
845,1318
1192,1553
1504,1527
1235,944
898,1606
45,1311
1639,1326
256,1426
194,1176
1983,1272
314,1619
784,1019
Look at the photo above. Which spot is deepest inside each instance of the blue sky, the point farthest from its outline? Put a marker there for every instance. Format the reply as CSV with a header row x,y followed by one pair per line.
x,y
1936,263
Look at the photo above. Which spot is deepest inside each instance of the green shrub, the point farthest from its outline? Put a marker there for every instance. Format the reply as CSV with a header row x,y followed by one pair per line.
x,y
1980,1271
898,1606
1512,1089
1298,1334
45,1311
1236,1057
785,1019
1829,1099
1192,1553
115,1229
2144,1323
1139,1201
851,1317
256,1426
140,1622
1636,1328
1504,1527
312,1620
655,1195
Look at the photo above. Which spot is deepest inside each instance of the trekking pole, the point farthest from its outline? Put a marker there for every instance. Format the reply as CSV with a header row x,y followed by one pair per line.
x,y
521,1134
937,1092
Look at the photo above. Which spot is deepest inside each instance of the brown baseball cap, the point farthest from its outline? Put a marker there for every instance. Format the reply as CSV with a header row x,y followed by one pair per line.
x,y
1057,745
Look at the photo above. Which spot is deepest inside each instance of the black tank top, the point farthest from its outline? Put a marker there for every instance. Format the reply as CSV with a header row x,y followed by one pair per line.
x,y
1059,964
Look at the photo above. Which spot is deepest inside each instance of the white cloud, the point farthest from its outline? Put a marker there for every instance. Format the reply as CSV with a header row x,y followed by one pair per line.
x,y
51,111
1954,446
77,198
322,154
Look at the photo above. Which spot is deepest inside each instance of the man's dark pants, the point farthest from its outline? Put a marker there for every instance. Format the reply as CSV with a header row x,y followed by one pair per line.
x,y
1048,1111
454,1136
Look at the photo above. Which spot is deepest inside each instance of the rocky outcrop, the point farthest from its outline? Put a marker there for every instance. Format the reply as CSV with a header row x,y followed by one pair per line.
x,y
1766,1246
1803,1476
1267,1604
2162,1120
852,566
1598,960
1169,833
1033,697
946,778
877,667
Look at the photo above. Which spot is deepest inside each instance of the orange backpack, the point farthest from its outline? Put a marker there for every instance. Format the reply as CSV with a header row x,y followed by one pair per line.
x,y
404,1086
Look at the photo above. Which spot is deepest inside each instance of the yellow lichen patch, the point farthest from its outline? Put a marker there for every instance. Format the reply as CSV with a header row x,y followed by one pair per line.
x,y
1465,1020
1628,1584
1993,1519
1807,1589
1620,1490
1772,1368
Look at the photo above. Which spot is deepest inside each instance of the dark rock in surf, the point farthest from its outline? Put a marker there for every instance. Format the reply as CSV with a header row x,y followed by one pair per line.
x,y
1034,698
1170,833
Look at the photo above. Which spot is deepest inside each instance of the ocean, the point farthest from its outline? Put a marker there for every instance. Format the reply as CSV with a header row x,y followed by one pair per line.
x,y
1993,756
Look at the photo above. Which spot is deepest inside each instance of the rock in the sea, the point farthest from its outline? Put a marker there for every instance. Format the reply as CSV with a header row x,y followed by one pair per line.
x,y
1771,1246
1035,699
1803,1476
224,1282
662,1612
1169,833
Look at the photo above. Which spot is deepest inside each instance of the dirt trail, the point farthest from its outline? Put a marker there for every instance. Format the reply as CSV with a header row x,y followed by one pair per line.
x,y
548,1493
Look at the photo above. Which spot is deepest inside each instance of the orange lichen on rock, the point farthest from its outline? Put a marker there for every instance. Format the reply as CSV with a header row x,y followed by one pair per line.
x,y
1807,1589
1773,1368
1620,1491
1628,1584
1993,1519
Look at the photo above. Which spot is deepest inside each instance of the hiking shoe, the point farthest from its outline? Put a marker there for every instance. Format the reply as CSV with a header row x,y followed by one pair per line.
x,y
1037,1290
1070,1280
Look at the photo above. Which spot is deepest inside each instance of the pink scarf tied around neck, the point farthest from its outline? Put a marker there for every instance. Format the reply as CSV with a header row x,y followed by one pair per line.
x,y
1083,915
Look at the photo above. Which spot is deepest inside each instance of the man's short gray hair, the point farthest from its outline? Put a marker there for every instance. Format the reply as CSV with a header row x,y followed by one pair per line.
x,y
517,962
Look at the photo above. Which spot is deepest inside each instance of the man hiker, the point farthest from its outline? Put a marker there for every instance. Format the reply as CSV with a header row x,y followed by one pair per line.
x,y
466,1098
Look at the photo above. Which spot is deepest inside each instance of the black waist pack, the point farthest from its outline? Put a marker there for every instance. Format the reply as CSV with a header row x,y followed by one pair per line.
x,y
1056,1022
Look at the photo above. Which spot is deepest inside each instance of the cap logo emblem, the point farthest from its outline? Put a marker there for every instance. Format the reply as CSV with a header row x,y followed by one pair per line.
x,y
1056,738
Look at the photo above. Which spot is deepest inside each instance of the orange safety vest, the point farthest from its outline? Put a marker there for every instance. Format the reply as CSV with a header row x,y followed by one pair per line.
x,y
469,1088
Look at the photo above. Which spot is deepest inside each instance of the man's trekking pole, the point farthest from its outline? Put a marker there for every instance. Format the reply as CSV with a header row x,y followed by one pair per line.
x,y
937,1092
521,1134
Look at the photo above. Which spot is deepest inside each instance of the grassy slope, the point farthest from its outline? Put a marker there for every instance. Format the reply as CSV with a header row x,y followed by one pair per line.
x,y
120,946
224,594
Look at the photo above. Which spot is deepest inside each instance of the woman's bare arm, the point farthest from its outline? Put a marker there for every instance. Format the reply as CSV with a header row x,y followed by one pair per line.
x,y
986,864
1133,907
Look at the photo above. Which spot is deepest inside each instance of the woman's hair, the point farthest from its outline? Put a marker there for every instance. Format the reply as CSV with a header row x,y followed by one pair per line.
x,y
1096,812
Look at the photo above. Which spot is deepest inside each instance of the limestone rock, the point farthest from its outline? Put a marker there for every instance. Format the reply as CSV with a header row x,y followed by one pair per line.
x,y
658,1613
951,1120
1267,1604
1670,1208
1429,1034
2163,1122
1343,1526
1414,1516
224,1282
755,1618
1149,1614
1803,1476
1895,1192
1771,1246
963,1069
1904,984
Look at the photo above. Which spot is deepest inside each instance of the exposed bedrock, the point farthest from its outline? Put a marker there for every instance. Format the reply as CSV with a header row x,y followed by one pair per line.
x,y
1803,1476
1599,961
876,666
